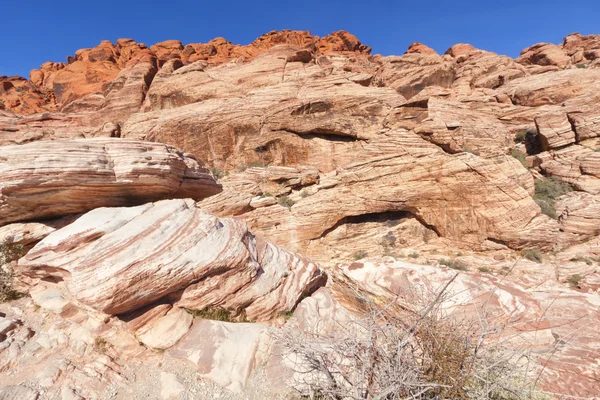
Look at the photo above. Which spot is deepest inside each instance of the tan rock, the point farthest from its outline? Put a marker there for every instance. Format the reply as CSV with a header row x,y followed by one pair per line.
x,y
107,274
420,48
49,179
226,353
544,54
554,131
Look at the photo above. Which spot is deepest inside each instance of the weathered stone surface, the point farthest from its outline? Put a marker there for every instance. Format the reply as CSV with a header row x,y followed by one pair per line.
x,y
554,131
579,213
50,179
586,125
18,393
178,249
537,317
226,353
544,54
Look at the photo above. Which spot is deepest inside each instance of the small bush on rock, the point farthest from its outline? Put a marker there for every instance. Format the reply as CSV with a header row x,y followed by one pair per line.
x,y
359,255
390,353
454,264
8,253
217,173
547,190
574,280
519,155
285,201
532,255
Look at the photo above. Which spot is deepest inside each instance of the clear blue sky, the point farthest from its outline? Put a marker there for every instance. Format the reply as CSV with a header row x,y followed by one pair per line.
x,y
35,31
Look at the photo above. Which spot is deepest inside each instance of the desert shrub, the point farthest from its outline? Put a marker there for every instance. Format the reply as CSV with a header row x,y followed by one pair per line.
x,y
101,345
304,194
414,255
454,264
581,65
359,255
519,155
255,164
586,260
484,269
9,252
212,313
388,242
547,190
217,173
574,280
285,201
392,353
266,194
520,136
533,254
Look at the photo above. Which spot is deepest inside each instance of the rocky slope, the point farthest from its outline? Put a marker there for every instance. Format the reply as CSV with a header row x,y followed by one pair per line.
x,y
132,176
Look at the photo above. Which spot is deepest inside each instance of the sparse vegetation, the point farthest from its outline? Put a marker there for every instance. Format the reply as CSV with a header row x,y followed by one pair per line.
x,y
304,194
453,264
217,173
520,136
574,280
519,155
388,242
533,254
288,315
586,260
101,345
285,201
414,254
547,190
256,164
9,252
485,270
266,194
390,353
359,255
581,66
212,313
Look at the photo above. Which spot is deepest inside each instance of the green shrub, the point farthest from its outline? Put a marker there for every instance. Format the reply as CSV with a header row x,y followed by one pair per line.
x,y
586,260
520,136
574,280
285,201
519,155
581,65
256,164
212,313
266,194
453,264
547,190
101,345
217,173
9,252
359,255
533,254
484,269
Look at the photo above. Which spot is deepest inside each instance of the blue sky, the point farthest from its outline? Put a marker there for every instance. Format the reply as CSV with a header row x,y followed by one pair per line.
x,y
36,31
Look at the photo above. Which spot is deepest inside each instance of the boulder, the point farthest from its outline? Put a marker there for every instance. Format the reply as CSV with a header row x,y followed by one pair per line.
x,y
51,179
117,260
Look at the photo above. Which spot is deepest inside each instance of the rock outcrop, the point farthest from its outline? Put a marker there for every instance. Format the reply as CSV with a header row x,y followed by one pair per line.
x,y
118,260
131,177
50,179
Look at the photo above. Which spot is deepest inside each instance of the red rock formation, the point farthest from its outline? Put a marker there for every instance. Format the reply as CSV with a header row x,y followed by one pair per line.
x,y
89,70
